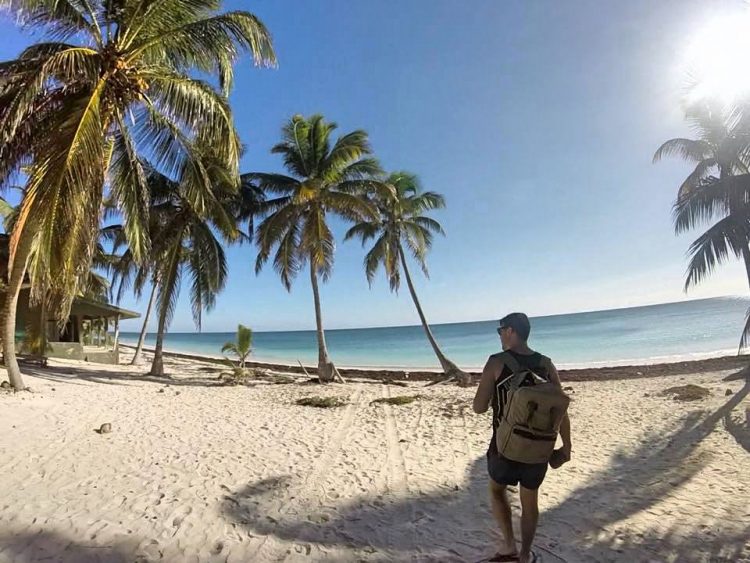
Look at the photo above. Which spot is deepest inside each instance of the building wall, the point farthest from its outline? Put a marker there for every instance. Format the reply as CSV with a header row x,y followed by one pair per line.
x,y
26,316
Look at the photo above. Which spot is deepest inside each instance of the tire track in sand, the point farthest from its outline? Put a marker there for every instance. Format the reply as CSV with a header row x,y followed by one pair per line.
x,y
396,479
310,490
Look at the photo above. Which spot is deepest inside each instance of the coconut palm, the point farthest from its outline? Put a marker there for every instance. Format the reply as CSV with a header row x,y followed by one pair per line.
x,y
112,81
126,272
240,347
402,223
187,244
241,205
326,179
715,193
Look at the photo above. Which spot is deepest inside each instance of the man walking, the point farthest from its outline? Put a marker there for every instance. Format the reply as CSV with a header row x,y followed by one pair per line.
x,y
494,388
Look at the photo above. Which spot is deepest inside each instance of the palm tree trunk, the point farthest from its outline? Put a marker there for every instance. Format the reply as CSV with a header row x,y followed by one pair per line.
x,y
142,337
43,329
326,369
746,259
12,291
448,367
157,366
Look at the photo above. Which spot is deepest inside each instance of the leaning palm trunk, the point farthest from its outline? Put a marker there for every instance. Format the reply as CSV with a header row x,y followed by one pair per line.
x,y
326,370
745,338
746,260
449,367
157,367
12,291
142,337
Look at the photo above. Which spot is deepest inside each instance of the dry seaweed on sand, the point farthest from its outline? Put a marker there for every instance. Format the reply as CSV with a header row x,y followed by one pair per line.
x,y
688,392
395,382
280,379
397,400
321,402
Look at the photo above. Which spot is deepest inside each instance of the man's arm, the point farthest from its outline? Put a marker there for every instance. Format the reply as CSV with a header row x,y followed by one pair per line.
x,y
565,424
487,385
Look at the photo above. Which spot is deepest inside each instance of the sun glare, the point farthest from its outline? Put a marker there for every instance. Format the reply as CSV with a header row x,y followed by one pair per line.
x,y
716,59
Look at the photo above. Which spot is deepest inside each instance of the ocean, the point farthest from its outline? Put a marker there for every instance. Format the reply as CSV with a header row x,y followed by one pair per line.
x,y
658,333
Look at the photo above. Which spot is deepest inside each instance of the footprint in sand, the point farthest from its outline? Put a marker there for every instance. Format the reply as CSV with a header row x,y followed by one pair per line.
x,y
177,521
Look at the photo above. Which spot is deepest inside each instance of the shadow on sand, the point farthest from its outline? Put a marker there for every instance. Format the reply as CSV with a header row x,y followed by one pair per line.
x,y
634,482
64,374
49,546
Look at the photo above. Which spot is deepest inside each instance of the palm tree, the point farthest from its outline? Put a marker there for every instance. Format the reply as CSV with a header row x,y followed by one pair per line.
x,y
242,205
126,272
114,80
187,244
401,223
718,189
242,346
325,180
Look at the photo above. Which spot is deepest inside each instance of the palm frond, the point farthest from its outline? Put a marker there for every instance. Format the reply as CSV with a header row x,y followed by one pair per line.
x,y
428,224
59,19
687,149
211,44
362,169
317,242
710,199
6,209
244,339
55,208
418,240
364,230
726,237
345,154
272,183
127,181
350,207
208,270
198,110
66,66
287,261
272,230
170,277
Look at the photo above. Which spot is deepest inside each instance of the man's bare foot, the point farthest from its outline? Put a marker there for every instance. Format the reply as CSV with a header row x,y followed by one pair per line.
x,y
504,557
527,557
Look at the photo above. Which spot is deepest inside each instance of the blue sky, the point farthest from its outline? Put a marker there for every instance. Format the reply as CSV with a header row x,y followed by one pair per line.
x,y
537,121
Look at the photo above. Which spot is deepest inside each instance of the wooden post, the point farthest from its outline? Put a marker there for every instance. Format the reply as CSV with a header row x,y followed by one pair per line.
x,y
117,339
43,329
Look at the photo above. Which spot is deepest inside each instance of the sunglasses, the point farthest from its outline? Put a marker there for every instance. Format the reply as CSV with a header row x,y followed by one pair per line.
x,y
500,329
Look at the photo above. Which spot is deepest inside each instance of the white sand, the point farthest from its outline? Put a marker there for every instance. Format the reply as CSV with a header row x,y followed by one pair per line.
x,y
194,472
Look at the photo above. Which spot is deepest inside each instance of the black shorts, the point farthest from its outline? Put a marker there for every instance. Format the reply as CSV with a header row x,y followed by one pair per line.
x,y
507,472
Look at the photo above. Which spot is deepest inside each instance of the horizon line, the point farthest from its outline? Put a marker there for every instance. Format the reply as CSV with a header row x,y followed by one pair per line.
x,y
546,316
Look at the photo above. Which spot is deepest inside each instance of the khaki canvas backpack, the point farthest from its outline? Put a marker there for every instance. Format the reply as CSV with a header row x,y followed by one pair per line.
x,y
531,416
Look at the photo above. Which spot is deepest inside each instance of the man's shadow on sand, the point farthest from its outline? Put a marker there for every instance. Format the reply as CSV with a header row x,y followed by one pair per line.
x,y
634,482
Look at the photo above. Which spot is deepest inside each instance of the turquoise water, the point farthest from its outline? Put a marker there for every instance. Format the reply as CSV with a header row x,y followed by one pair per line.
x,y
658,333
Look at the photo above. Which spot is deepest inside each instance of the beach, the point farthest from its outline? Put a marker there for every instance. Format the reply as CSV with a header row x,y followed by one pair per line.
x,y
197,471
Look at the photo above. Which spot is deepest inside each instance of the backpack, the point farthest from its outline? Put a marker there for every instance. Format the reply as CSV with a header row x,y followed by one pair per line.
x,y
531,416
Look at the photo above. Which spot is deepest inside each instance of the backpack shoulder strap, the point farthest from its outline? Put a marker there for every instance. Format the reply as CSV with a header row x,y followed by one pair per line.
x,y
519,372
510,361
